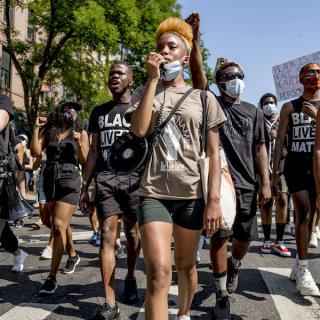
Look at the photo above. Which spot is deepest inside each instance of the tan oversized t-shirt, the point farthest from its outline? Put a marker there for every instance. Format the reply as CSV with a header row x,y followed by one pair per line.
x,y
173,170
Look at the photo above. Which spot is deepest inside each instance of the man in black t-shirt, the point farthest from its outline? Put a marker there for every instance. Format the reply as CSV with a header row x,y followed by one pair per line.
x,y
243,140
7,238
115,195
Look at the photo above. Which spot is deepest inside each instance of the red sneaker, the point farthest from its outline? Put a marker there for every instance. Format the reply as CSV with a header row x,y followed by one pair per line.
x,y
281,249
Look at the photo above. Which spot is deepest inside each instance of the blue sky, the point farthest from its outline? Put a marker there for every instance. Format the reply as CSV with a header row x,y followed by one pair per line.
x,y
258,34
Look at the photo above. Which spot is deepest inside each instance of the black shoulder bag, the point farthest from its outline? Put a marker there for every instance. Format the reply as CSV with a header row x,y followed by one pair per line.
x,y
130,153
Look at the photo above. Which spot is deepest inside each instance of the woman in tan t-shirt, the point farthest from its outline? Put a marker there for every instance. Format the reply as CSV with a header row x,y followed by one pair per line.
x,y
171,193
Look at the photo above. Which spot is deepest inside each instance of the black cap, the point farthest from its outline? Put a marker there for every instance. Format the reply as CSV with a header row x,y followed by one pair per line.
x,y
73,104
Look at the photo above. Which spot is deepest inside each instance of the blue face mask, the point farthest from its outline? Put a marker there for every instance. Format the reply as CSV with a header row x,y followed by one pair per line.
x,y
170,71
234,88
269,109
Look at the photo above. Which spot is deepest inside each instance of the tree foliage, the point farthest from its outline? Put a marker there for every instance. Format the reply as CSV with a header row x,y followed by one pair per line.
x,y
68,36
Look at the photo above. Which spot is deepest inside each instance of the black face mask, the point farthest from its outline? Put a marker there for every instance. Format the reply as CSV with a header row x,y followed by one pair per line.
x,y
70,116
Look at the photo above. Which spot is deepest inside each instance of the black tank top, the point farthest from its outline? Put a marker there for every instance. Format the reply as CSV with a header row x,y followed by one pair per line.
x,y
301,130
62,152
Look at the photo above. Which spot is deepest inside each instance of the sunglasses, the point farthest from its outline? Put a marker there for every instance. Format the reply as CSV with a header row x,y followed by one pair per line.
x,y
232,75
312,72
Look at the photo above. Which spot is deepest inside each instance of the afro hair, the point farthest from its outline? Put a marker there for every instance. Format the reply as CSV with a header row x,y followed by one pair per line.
x,y
177,26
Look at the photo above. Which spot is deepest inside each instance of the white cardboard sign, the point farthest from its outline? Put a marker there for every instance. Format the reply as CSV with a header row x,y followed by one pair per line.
x,y
286,76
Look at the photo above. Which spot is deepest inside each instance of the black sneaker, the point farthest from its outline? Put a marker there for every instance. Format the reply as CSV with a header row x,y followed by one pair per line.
x,y
118,251
232,276
108,313
221,310
50,286
71,264
18,223
130,293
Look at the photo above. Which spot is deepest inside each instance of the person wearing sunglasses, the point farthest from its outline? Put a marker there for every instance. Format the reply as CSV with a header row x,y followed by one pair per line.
x,y
298,122
243,140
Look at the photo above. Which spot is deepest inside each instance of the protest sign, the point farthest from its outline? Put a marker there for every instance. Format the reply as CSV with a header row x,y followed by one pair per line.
x,y
286,76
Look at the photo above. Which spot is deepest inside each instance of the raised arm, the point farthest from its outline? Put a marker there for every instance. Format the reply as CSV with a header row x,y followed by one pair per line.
x,y
199,79
37,141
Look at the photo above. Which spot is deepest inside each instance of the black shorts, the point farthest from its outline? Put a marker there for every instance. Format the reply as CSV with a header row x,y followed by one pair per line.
x,y
298,171
184,213
116,195
62,183
245,226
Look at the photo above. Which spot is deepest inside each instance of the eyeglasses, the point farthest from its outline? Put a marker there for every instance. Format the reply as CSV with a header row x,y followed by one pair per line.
x,y
232,75
312,72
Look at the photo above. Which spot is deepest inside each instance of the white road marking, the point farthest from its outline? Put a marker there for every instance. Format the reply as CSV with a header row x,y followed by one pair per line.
x,y
289,303
173,304
29,311
40,238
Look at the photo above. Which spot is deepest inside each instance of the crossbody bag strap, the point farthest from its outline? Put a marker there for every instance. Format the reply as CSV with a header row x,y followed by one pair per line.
x,y
173,111
203,95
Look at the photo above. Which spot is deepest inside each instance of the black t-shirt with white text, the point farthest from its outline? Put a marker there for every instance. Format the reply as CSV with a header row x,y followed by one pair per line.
x,y
109,121
301,130
244,129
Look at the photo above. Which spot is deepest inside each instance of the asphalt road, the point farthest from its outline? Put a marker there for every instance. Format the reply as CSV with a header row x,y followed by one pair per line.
x,y
264,293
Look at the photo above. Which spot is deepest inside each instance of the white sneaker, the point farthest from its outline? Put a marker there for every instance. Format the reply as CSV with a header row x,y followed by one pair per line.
x,y
318,232
294,271
46,253
18,261
287,228
305,283
313,241
183,317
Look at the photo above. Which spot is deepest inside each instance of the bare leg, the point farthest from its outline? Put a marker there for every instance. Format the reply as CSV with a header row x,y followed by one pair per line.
x,y
107,257
133,246
185,247
156,244
61,218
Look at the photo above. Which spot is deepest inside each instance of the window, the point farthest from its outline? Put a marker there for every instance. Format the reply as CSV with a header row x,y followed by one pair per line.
x,y
30,31
5,73
11,13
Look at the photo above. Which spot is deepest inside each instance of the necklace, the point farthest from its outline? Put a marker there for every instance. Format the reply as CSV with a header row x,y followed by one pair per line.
x,y
61,136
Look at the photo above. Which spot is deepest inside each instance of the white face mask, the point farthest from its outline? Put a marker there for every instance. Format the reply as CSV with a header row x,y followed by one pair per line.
x,y
234,88
269,109
170,71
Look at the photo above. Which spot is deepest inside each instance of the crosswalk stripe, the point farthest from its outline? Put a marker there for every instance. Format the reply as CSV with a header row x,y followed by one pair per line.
x,y
76,236
287,300
29,311
173,304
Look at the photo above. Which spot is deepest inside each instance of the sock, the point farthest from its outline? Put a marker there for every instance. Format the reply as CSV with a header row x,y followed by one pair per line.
x,y
220,281
303,263
280,230
266,231
235,262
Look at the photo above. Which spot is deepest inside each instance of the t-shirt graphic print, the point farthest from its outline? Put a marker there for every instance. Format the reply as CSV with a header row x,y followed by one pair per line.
x,y
109,121
173,171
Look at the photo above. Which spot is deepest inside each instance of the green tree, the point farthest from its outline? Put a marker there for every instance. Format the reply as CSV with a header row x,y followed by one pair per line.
x,y
69,33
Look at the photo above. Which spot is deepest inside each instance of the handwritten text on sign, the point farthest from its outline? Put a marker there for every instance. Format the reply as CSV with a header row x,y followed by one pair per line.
x,y
286,76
